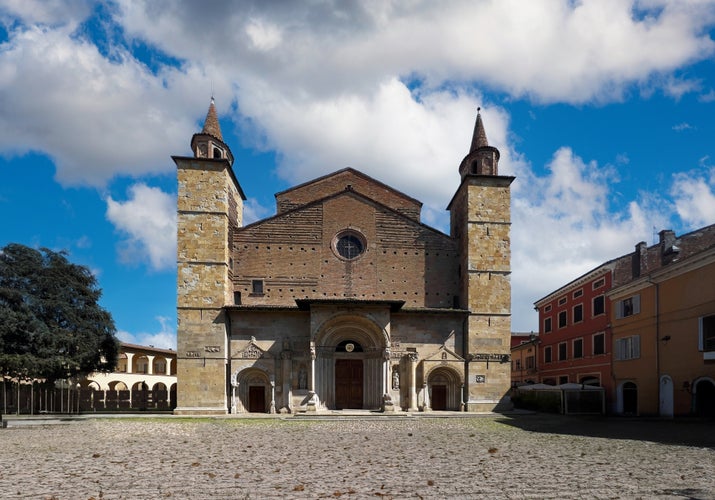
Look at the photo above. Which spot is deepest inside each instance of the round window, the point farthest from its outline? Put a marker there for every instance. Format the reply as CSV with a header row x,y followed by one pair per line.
x,y
349,245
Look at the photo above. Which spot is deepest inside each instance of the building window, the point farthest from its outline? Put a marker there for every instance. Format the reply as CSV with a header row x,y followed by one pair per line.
x,y
349,244
563,379
237,298
578,293
517,364
599,283
562,301
547,308
628,348
547,325
599,305
562,319
562,351
257,287
547,354
628,307
578,313
599,344
530,362
160,367
706,340
578,348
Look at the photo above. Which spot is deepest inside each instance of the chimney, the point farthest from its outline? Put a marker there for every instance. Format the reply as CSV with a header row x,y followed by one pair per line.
x,y
668,250
640,259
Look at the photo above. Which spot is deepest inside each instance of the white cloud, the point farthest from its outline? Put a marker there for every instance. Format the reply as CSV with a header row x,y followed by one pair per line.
x,y
694,197
254,211
96,118
564,225
147,224
165,338
50,12
683,126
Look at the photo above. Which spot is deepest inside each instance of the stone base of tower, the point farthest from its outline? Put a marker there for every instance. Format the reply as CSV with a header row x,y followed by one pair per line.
x,y
490,406
193,410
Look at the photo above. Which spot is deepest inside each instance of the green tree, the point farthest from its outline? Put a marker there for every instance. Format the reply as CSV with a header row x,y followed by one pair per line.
x,y
51,326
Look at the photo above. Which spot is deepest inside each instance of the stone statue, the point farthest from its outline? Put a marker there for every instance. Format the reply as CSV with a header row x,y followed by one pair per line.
x,y
395,379
302,379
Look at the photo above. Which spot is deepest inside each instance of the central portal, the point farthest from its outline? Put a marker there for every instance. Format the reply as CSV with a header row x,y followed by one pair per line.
x,y
348,383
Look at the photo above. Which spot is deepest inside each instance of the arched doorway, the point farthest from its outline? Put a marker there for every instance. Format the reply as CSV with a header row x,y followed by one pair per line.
x,y
352,363
348,375
444,386
666,396
704,394
253,391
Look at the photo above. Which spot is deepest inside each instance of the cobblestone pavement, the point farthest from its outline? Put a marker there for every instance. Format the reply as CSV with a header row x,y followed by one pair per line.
x,y
528,456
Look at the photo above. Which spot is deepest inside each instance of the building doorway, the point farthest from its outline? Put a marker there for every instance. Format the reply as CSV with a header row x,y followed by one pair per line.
x,y
439,397
630,398
666,396
705,398
348,383
256,399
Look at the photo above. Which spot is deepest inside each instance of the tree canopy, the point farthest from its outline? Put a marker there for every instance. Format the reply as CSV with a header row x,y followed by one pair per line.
x,y
51,325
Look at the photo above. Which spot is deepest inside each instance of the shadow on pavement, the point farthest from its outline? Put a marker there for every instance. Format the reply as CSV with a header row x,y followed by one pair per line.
x,y
681,431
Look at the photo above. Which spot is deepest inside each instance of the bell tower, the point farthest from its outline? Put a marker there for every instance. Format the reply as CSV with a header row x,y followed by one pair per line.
x,y
209,210
480,222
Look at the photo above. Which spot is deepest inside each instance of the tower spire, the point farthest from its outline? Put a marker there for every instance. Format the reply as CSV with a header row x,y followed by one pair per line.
x,y
209,142
482,158
479,138
211,124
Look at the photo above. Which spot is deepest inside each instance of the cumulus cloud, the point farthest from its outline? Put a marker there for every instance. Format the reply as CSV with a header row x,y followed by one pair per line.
x,y
165,338
94,117
147,225
564,225
694,197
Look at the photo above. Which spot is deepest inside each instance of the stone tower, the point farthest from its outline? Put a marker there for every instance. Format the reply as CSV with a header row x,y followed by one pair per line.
x,y
480,222
209,210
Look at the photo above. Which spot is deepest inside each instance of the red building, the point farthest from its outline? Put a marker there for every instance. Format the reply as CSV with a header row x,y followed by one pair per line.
x,y
574,330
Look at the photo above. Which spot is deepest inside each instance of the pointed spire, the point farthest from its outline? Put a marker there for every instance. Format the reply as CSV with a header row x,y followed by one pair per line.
x,y
479,139
211,125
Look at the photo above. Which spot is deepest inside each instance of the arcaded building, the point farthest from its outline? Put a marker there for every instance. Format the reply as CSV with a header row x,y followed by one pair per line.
x,y
343,299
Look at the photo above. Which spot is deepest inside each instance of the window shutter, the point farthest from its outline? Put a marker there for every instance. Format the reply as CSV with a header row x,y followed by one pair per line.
x,y
636,346
636,304
619,349
701,335
619,309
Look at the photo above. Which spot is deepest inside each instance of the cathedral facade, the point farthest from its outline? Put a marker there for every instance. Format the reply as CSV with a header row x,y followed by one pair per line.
x,y
343,299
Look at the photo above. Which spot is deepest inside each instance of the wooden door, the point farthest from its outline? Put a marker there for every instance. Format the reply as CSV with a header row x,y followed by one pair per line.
x,y
348,383
256,399
439,397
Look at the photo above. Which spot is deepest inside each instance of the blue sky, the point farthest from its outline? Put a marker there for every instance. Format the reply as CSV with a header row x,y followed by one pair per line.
x,y
602,109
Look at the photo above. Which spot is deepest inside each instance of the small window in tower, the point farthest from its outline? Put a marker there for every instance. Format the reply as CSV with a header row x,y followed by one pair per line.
x,y
257,287
218,154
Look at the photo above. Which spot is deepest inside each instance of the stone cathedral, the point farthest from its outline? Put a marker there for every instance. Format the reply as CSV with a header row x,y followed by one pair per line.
x,y
343,299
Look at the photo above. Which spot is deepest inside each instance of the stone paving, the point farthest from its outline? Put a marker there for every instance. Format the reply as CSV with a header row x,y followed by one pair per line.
x,y
495,457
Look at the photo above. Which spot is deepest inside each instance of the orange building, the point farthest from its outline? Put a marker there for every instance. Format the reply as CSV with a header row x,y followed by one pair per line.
x,y
663,327
524,359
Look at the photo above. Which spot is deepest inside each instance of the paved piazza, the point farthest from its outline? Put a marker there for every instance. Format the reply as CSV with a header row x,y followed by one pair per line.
x,y
527,456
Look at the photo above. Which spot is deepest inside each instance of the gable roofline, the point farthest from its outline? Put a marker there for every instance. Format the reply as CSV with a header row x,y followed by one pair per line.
x,y
349,192
594,273
358,174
